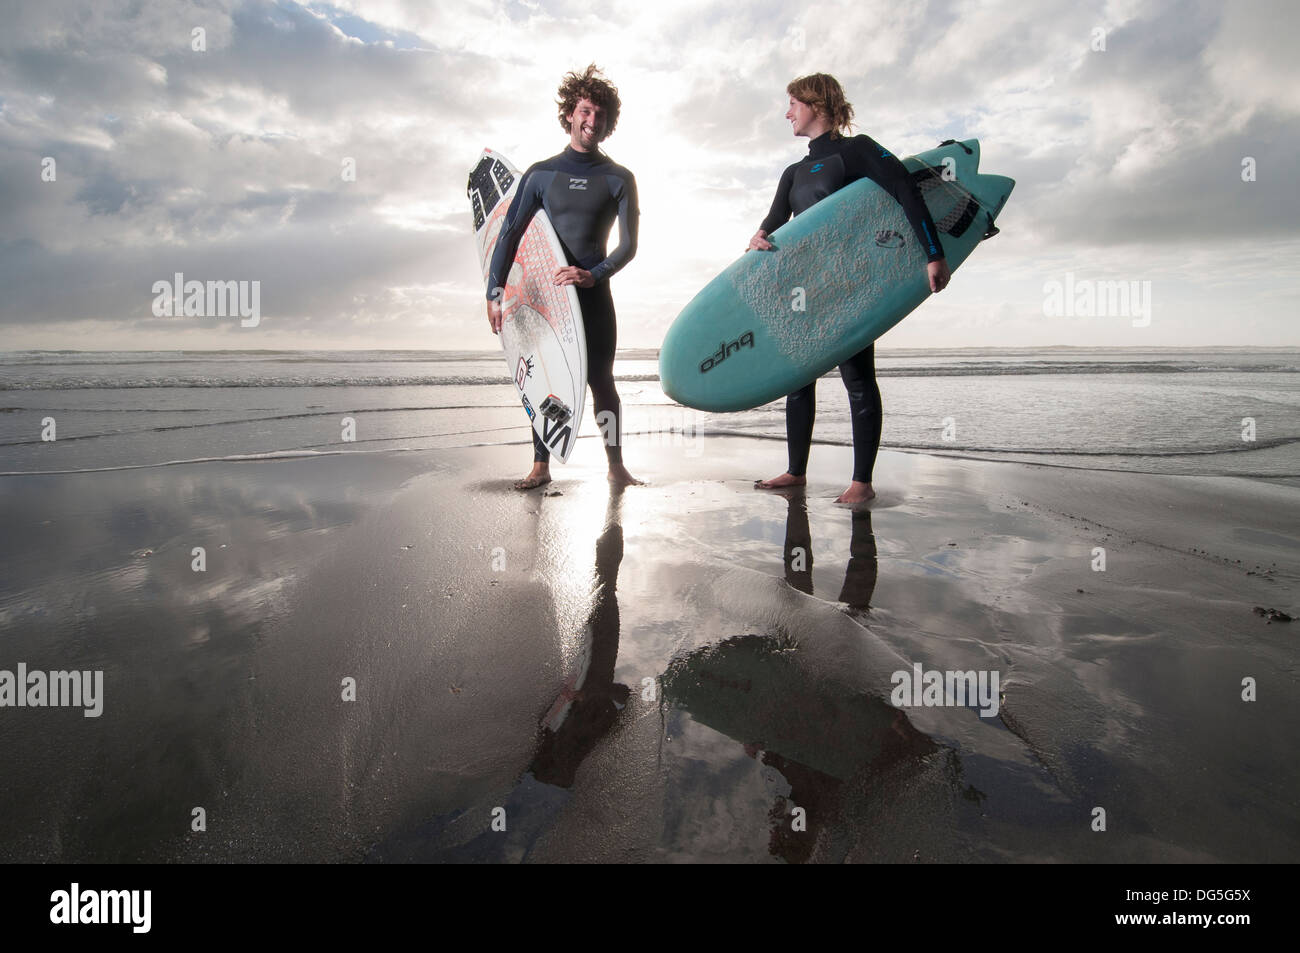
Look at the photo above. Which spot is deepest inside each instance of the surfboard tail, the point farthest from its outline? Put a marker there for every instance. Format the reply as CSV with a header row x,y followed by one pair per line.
x,y
992,192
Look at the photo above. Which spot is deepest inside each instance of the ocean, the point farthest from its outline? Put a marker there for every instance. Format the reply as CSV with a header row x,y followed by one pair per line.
x,y
1219,412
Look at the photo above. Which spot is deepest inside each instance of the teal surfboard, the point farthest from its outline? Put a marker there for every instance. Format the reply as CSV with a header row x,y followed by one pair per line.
x,y
842,273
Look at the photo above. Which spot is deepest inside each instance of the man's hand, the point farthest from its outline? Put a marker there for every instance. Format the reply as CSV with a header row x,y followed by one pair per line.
x,y
494,316
573,275
939,275
759,242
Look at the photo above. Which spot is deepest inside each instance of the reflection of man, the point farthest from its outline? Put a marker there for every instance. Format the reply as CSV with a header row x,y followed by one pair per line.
x,y
819,111
582,192
597,699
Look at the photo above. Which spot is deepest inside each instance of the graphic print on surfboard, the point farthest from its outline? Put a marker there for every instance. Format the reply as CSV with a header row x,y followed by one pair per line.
x,y
541,330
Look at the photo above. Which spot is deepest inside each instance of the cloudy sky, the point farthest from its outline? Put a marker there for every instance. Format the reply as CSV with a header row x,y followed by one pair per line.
x,y
225,163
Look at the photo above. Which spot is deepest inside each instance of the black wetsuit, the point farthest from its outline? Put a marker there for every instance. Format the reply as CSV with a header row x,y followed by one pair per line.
x,y
582,193
831,164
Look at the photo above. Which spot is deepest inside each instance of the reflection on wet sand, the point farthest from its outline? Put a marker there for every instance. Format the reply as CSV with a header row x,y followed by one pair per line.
x,y
859,576
456,604
817,733
590,700
569,728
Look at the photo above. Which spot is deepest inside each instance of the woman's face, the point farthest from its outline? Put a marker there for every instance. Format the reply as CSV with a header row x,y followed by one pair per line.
x,y
801,116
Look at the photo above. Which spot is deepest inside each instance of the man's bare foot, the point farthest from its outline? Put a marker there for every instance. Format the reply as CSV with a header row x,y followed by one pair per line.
x,y
539,475
857,492
777,483
619,476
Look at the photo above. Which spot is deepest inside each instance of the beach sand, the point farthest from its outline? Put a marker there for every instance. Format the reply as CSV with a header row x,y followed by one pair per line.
x,y
683,671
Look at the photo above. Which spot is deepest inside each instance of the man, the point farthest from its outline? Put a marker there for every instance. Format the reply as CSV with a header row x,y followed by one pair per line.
x,y
582,191
819,111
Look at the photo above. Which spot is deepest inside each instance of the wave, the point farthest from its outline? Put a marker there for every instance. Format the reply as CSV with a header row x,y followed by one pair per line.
x,y
421,380
55,358
1046,458
246,421
435,379
229,458
999,369
947,448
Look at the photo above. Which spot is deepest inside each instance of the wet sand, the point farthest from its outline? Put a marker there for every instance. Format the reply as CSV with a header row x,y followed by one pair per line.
x,y
673,673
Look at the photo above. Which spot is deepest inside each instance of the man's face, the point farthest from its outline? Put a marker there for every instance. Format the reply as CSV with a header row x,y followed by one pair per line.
x,y
801,116
586,125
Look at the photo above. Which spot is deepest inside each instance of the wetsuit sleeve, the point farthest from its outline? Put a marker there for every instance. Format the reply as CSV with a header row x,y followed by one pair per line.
x,y
527,200
623,188
883,168
779,214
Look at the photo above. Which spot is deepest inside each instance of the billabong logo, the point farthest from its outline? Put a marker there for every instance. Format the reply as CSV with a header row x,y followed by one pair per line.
x,y
888,238
725,350
818,167
580,184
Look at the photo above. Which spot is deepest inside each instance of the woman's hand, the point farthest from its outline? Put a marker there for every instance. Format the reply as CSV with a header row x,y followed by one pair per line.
x,y
939,275
759,242
494,316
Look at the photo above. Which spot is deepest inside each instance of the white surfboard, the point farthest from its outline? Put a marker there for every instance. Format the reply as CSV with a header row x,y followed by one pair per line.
x,y
573,683
541,331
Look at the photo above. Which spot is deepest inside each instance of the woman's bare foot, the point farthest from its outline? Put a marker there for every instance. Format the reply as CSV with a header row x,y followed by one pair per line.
x,y
777,483
539,475
857,492
619,476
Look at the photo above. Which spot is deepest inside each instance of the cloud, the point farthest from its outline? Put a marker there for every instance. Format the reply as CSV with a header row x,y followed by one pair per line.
x,y
227,163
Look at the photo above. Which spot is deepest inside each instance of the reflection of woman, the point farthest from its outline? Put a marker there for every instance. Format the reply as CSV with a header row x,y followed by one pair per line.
x,y
796,718
859,576
819,111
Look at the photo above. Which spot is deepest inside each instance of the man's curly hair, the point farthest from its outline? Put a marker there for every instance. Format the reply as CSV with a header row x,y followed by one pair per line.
x,y
824,95
589,84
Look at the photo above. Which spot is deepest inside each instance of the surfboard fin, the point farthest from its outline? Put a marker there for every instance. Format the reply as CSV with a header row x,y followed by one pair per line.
x,y
555,409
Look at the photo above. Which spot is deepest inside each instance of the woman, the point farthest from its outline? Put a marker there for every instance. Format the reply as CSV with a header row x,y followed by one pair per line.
x,y
819,111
